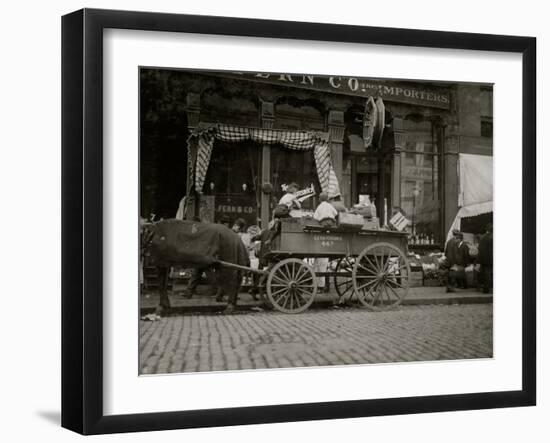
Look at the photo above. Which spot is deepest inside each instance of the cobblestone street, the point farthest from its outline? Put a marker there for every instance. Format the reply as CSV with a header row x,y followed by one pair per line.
x,y
214,342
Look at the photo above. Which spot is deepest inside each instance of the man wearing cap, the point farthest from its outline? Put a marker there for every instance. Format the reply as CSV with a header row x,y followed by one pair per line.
x,y
457,254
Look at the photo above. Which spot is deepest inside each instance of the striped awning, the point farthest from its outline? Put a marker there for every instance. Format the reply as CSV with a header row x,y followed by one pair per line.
x,y
204,138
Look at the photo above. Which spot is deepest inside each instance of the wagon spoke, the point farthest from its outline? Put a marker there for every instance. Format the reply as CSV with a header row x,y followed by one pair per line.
x,y
287,299
299,295
304,295
367,284
280,280
374,266
387,295
277,300
393,290
377,295
367,269
302,290
279,291
347,284
284,271
308,283
381,265
382,261
277,297
291,269
306,276
302,271
387,264
348,287
371,294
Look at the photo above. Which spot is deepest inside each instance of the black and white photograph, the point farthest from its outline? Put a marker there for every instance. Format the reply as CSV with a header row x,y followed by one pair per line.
x,y
267,222
296,220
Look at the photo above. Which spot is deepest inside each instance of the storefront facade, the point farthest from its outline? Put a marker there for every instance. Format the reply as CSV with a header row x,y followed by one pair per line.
x,y
412,167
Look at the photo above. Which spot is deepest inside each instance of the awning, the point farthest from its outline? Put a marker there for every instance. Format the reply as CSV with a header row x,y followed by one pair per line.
x,y
204,137
475,181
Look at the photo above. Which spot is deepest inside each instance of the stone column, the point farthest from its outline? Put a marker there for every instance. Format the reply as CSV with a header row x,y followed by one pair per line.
x,y
399,145
193,111
451,148
336,132
267,116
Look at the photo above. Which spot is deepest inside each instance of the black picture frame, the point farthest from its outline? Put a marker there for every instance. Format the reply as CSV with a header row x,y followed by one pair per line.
x,y
82,218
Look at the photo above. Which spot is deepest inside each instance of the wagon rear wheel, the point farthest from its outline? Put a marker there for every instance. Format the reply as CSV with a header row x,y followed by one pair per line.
x,y
291,286
381,276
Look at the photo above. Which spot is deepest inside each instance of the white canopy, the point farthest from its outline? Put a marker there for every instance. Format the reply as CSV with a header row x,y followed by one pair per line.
x,y
475,181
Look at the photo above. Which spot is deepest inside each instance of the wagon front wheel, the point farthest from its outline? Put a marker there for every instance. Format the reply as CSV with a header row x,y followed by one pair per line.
x,y
381,276
291,286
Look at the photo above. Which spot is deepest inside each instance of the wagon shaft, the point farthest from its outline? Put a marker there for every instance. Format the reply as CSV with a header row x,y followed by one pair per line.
x,y
239,267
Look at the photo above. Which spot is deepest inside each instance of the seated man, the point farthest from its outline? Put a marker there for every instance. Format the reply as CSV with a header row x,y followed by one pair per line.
x,y
325,212
287,203
289,199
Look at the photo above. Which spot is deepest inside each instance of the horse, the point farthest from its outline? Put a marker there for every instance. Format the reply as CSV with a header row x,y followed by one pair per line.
x,y
194,244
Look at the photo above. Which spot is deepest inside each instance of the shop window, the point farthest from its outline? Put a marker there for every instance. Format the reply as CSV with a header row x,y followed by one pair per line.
x,y
420,179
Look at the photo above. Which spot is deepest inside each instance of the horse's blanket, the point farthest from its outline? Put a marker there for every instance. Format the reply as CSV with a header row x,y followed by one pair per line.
x,y
195,244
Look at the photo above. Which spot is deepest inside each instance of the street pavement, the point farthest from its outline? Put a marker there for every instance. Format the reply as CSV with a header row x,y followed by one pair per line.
x,y
202,302
196,342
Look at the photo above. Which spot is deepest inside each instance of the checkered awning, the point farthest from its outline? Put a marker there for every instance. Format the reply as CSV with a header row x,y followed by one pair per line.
x,y
204,137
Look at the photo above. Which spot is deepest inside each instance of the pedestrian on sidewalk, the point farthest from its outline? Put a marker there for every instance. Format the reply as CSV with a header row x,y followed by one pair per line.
x,y
485,259
458,257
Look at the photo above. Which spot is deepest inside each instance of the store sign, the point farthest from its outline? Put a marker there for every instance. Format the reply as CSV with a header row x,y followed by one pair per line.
x,y
236,206
387,90
235,209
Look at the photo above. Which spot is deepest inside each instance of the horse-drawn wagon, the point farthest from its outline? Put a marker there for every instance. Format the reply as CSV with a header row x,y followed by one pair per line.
x,y
371,265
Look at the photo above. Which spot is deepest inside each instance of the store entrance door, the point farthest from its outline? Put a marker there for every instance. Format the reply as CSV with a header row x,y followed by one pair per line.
x,y
371,176
231,186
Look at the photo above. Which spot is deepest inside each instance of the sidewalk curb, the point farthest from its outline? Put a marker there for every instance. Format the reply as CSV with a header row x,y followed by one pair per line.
x,y
322,304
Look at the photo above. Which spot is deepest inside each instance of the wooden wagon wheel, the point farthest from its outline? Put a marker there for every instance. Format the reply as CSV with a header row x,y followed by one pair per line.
x,y
381,276
291,286
344,283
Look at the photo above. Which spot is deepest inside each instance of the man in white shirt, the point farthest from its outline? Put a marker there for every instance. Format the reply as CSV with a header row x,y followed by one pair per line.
x,y
325,212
